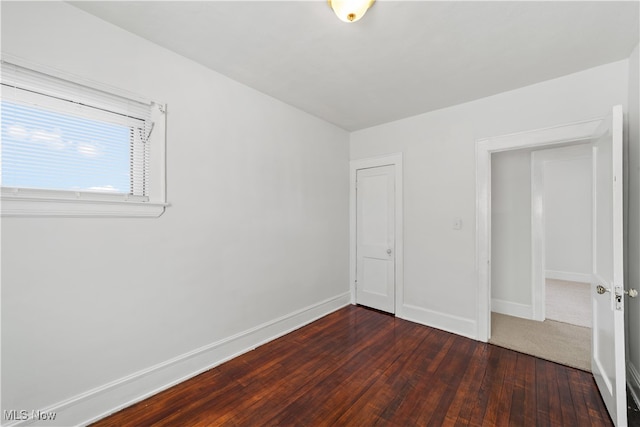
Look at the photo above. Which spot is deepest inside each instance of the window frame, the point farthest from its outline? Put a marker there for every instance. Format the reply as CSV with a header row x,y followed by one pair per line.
x,y
27,202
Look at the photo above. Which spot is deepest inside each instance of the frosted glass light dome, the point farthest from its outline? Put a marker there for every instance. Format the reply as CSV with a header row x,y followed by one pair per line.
x,y
350,10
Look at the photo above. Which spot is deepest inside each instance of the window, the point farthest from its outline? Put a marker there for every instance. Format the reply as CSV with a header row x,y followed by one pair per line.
x,y
69,148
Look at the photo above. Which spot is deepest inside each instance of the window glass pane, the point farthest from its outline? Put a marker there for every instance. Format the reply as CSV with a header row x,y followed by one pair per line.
x,y
45,149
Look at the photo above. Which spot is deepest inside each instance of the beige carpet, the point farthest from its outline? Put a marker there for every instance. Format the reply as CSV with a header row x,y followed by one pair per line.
x,y
568,302
555,341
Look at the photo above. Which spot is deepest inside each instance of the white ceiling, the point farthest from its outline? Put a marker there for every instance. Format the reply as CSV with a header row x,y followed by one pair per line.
x,y
403,58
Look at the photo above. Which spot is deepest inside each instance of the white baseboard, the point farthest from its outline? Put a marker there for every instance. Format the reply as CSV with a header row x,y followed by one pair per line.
x,y
100,402
633,381
568,276
512,308
446,322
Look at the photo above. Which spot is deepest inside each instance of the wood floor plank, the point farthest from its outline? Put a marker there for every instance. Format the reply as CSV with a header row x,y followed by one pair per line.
x,y
365,401
505,401
360,385
577,396
358,366
542,398
523,407
396,379
418,384
450,374
553,395
494,379
293,374
462,404
489,385
348,381
567,406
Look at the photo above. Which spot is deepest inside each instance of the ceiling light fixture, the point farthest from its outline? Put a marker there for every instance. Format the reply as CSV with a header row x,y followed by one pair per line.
x,y
350,10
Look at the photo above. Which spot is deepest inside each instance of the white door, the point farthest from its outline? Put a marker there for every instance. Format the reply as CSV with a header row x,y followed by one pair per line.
x,y
375,237
608,357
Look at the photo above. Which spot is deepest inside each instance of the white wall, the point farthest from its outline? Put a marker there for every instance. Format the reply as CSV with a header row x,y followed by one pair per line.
x,y
633,221
568,205
256,235
511,233
440,282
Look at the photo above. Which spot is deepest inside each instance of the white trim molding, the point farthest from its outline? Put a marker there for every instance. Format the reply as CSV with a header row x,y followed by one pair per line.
x,y
394,159
439,320
547,137
633,381
102,401
569,276
52,207
515,309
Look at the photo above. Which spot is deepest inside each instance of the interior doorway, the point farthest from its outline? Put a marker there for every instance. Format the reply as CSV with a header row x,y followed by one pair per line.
x,y
376,233
541,251
606,138
543,138
561,229
375,237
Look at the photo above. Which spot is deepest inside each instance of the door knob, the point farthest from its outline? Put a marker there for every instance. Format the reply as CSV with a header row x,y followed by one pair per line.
x,y
389,251
632,293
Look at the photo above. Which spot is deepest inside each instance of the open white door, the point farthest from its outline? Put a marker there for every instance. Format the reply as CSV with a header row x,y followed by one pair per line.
x,y
375,238
608,356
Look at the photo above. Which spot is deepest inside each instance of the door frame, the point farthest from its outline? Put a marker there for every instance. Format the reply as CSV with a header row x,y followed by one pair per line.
x,y
538,138
394,159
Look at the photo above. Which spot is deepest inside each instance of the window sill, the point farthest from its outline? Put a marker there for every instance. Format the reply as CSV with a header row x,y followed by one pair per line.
x,y
21,206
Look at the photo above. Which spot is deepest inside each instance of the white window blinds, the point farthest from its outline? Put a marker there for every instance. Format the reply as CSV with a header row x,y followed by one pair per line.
x,y
61,135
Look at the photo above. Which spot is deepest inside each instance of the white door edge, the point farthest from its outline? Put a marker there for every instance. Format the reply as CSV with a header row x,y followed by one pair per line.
x,y
371,162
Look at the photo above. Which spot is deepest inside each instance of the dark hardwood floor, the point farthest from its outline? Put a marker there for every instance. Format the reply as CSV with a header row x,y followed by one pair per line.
x,y
360,367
